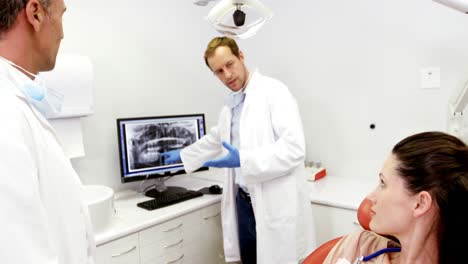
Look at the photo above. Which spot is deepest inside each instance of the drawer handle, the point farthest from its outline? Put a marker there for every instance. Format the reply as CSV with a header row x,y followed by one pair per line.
x,y
123,253
213,216
175,260
173,245
174,228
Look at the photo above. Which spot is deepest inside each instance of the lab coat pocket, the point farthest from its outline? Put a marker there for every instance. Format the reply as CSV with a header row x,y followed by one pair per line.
x,y
280,201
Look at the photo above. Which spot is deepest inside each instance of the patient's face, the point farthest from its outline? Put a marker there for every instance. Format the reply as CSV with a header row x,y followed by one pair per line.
x,y
392,202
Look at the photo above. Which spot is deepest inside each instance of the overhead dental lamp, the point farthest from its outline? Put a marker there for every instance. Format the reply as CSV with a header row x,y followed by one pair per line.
x,y
460,5
242,11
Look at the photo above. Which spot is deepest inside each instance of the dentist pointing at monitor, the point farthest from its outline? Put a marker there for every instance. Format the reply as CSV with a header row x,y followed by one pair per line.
x,y
259,141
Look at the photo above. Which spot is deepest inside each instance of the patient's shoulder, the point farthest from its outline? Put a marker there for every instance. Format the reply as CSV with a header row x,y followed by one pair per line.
x,y
361,243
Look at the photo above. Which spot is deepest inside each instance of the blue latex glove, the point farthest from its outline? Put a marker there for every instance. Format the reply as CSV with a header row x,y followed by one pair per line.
x,y
172,156
231,160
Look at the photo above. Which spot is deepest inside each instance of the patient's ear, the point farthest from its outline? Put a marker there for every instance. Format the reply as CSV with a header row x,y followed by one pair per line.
x,y
423,202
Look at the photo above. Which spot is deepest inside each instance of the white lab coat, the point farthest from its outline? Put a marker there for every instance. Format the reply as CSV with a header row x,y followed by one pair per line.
x,y
272,153
43,218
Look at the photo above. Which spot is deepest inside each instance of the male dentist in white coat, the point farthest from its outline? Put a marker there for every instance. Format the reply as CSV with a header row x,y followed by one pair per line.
x,y
43,219
259,141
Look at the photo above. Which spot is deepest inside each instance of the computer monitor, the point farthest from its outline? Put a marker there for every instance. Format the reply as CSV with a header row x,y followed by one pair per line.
x,y
143,139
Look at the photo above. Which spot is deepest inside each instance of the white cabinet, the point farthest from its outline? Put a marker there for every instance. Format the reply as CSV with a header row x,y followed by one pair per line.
x,y
121,251
332,222
211,235
170,242
194,238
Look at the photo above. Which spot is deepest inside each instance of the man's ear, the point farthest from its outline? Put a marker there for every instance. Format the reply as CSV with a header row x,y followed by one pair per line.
x,y
241,56
35,14
422,204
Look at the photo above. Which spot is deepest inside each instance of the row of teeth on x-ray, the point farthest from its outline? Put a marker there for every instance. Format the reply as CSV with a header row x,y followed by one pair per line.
x,y
154,139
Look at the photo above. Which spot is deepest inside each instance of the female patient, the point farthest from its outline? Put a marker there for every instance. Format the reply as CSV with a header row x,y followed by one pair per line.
x,y
419,205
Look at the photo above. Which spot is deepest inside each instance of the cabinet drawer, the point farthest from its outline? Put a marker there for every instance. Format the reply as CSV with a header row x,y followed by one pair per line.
x,y
191,227
332,222
120,251
212,235
211,229
170,258
161,248
165,242
174,227
211,211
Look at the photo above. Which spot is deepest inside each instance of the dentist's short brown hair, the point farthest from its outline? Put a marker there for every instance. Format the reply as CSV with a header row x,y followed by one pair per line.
x,y
220,42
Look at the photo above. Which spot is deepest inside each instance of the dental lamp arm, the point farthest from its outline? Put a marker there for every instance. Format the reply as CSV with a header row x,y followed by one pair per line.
x,y
460,101
455,120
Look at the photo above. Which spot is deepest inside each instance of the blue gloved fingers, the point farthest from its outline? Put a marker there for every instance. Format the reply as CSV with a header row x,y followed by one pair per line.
x,y
172,156
217,163
228,146
233,155
231,160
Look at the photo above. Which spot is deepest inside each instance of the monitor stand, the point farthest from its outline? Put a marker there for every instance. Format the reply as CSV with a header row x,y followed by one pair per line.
x,y
159,189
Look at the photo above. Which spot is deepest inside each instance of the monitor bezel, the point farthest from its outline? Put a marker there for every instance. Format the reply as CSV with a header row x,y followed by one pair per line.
x,y
124,179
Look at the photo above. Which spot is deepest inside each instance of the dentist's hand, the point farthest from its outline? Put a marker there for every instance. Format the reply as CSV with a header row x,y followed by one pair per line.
x,y
231,160
172,156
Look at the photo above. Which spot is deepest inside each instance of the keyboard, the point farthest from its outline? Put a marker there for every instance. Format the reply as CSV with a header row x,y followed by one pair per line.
x,y
170,199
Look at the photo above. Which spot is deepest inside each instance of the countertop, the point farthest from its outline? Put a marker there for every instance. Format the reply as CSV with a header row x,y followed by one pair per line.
x,y
340,192
128,218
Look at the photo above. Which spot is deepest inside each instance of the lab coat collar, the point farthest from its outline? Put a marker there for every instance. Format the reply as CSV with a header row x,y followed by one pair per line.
x,y
17,79
251,82
233,99
6,73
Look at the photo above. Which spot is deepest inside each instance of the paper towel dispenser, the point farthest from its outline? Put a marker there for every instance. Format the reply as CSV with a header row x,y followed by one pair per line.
x,y
73,77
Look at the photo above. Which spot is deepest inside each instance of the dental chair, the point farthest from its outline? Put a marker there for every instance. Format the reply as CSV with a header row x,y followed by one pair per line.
x,y
321,253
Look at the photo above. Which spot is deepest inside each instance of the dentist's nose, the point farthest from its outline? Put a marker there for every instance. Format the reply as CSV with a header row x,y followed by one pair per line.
x,y
227,74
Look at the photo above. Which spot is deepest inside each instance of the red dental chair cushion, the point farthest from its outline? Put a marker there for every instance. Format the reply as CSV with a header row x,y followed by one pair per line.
x,y
321,253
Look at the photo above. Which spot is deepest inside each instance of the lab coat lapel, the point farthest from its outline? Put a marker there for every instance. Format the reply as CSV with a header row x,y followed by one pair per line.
x,y
15,81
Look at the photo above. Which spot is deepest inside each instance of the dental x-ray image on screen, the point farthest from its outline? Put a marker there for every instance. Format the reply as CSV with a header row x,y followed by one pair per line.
x,y
143,139
147,140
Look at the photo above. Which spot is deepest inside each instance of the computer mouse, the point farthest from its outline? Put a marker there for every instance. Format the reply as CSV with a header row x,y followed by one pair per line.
x,y
215,189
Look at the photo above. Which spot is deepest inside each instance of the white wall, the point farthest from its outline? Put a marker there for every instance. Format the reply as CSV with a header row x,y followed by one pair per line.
x,y
349,63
